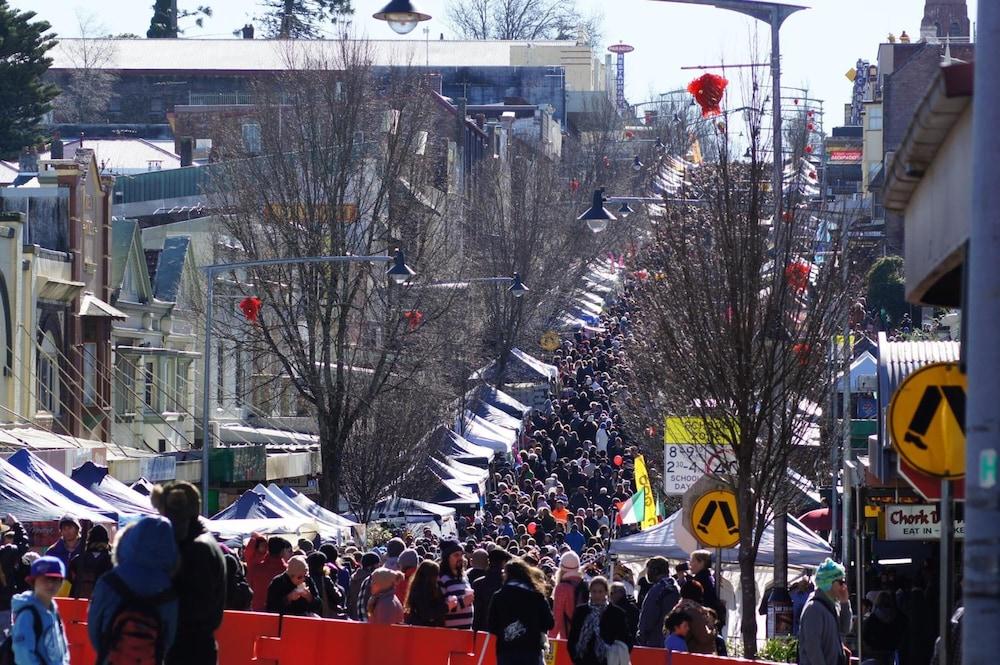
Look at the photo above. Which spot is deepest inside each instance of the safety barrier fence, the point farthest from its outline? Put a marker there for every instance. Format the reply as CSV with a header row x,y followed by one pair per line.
x,y
249,638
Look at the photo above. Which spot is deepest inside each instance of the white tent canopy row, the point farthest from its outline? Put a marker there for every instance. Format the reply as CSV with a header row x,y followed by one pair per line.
x,y
482,432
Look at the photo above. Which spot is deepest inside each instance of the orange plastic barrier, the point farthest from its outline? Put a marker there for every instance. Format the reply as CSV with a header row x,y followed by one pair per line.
x,y
249,638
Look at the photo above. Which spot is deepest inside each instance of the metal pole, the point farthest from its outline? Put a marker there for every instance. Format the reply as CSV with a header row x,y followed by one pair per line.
x,y
206,432
946,574
834,449
859,578
777,178
981,587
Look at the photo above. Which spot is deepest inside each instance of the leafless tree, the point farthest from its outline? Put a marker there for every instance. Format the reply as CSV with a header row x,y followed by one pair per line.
x,y
335,168
86,90
732,327
522,19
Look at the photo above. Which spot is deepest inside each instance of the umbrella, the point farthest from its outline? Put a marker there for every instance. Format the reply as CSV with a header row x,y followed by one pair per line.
x,y
817,520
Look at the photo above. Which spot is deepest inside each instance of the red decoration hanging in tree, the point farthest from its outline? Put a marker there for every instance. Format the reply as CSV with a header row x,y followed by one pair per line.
x,y
810,126
797,275
630,135
251,308
802,352
414,317
809,149
641,275
574,185
707,90
796,102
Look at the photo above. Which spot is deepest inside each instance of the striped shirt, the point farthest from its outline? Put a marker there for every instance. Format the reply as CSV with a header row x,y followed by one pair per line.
x,y
461,616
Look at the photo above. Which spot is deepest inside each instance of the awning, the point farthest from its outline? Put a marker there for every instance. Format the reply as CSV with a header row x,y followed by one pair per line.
x,y
54,288
155,351
237,433
91,305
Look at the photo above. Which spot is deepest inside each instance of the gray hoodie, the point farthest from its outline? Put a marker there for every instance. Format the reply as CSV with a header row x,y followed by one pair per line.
x,y
821,627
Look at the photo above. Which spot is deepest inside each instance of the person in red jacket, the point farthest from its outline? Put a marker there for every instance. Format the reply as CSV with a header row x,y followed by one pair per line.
x,y
264,565
408,562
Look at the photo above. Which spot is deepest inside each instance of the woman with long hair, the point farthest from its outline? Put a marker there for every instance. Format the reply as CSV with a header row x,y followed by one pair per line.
x,y
519,615
599,634
425,605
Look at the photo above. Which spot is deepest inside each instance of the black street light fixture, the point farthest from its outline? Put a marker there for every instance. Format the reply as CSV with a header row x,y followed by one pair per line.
x,y
517,287
401,16
625,210
637,164
399,272
597,216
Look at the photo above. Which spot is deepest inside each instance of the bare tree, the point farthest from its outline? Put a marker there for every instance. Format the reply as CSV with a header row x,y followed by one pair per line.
x,y
522,19
86,91
732,328
337,170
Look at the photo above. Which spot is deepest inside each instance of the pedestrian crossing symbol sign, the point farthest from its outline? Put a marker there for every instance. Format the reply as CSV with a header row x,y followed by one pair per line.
x,y
715,519
927,420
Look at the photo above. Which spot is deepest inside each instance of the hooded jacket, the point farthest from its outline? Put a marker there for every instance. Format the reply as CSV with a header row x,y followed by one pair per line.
x,y
820,629
146,557
656,604
48,648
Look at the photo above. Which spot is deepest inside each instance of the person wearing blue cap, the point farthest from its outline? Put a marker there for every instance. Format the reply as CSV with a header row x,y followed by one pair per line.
x,y
37,634
825,618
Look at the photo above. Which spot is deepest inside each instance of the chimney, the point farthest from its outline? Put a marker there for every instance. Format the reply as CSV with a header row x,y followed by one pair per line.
x,y
187,150
247,31
56,147
27,162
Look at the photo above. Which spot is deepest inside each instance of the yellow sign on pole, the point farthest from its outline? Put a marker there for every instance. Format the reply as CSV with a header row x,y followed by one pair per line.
x,y
715,521
927,420
550,341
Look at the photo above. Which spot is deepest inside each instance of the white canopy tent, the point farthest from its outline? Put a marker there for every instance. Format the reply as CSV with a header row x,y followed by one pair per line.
x,y
482,432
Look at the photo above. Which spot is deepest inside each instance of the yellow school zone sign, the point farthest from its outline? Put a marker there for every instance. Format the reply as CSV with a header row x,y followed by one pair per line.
x,y
927,420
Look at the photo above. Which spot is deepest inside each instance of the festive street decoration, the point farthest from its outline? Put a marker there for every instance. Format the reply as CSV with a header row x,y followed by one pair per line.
x,y
251,308
802,352
414,317
618,460
708,90
797,275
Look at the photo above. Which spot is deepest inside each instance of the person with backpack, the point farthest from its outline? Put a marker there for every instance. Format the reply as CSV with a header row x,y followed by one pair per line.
x,y
662,596
825,618
37,636
568,593
200,582
239,595
87,567
519,615
15,545
132,615
331,595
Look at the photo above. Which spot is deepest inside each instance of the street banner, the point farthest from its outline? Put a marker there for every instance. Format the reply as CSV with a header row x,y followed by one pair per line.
x,y
649,501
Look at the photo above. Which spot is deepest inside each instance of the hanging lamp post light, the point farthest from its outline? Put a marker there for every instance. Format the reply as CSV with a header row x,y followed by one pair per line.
x,y
401,16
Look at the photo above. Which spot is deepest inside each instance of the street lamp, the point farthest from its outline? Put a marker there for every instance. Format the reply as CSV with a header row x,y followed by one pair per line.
x,y
517,287
401,16
625,210
398,273
637,164
597,216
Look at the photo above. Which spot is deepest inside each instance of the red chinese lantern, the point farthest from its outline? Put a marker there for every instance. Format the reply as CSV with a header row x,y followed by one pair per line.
x,y
630,135
809,149
532,528
812,175
810,126
795,101
618,460
797,275
810,113
251,308
707,90
414,317
641,275
574,185
802,352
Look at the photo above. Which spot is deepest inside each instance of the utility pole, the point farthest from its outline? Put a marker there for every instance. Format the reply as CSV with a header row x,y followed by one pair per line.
x,y
981,586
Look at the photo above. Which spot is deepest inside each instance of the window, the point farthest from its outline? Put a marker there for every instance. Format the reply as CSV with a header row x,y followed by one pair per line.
x,y
149,386
89,373
47,375
181,384
124,386
874,113
251,137
154,165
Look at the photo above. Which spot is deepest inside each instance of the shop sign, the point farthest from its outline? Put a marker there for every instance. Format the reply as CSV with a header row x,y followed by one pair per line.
x,y
915,522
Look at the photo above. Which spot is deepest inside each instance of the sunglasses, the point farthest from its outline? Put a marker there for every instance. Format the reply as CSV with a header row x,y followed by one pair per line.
x,y
844,582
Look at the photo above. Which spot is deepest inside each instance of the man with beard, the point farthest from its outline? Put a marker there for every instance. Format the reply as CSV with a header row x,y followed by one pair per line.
x,y
455,586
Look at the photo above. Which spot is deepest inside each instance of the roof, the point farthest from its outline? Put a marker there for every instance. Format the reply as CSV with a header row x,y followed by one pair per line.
x,y
249,55
947,99
126,155
91,305
897,360
170,268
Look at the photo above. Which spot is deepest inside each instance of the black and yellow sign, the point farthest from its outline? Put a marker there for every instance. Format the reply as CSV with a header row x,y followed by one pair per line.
x,y
550,341
715,520
927,420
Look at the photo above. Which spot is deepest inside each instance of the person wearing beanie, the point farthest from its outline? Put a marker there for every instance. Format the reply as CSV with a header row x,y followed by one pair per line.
x,y
200,582
455,586
383,606
70,542
88,566
145,557
826,617
486,585
293,592
408,562
569,591
37,608
393,549
331,595
357,594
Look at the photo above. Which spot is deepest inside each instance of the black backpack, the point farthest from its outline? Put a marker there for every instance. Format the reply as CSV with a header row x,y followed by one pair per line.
x,y
136,633
7,646
239,595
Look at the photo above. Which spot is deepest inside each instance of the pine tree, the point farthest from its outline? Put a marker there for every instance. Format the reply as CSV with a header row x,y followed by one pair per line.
x,y
24,97
301,19
163,25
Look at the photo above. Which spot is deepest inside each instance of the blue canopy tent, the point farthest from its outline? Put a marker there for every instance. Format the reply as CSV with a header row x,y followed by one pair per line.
x,y
454,446
56,480
118,494
252,505
29,501
314,509
272,503
142,486
500,400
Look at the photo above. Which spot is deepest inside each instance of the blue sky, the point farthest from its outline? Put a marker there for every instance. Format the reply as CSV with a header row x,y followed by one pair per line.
x,y
819,45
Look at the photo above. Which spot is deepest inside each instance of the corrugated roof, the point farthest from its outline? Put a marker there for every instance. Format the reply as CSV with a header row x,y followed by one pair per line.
x,y
275,55
897,360
170,268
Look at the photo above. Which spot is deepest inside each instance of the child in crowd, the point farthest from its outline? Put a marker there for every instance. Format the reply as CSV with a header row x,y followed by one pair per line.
x,y
37,634
676,627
